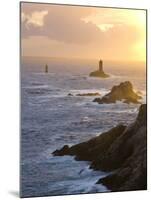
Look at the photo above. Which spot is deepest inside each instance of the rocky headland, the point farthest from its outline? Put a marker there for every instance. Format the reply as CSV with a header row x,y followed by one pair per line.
x,y
122,92
122,151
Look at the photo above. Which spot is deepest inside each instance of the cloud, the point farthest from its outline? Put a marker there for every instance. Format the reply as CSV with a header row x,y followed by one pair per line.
x,y
62,23
68,24
117,16
105,27
36,18
79,31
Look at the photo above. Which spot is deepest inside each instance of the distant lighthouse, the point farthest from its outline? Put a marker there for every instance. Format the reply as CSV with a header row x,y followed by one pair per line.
x,y
46,68
99,73
100,65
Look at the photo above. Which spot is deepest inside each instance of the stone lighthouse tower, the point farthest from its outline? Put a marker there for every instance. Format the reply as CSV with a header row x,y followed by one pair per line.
x,y
100,65
99,73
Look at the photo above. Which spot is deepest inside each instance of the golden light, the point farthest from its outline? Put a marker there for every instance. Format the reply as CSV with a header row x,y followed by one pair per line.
x,y
137,18
140,50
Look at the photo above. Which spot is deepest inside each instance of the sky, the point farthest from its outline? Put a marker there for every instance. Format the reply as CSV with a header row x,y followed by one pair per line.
x,y
83,32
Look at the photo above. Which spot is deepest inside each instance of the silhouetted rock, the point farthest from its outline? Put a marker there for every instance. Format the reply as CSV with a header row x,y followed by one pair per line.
x,y
89,94
64,151
121,150
69,94
124,91
130,154
89,150
99,73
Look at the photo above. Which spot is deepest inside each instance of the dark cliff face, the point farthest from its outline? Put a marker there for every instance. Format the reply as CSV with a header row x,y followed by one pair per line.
x,y
93,148
122,150
131,171
123,91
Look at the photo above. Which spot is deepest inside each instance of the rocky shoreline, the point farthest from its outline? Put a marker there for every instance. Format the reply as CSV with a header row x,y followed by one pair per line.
x,y
122,151
123,92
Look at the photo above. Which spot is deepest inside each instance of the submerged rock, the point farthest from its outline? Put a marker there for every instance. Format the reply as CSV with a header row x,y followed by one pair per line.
x,y
99,73
121,150
124,91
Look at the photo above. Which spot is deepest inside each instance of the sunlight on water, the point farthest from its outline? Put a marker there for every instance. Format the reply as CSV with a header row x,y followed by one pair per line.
x,y
51,119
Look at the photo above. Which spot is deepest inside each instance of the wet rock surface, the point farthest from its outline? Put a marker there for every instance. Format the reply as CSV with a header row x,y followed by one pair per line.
x,y
122,151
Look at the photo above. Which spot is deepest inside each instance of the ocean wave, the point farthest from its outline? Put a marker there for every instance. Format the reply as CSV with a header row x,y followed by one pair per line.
x,y
101,91
116,76
38,90
35,86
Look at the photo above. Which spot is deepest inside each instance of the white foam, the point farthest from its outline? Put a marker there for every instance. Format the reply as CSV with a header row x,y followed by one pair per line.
x,y
101,91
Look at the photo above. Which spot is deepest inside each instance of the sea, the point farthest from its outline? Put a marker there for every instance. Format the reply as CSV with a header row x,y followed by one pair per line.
x,y
50,119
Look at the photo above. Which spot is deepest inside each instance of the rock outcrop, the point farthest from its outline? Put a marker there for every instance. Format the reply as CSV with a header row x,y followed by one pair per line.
x,y
121,151
89,94
86,94
99,73
122,92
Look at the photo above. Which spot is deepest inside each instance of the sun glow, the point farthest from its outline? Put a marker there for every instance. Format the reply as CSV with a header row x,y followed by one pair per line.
x,y
108,20
140,46
140,18
111,33
140,49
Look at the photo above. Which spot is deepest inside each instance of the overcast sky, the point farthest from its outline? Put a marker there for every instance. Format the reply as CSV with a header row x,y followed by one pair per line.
x,y
83,32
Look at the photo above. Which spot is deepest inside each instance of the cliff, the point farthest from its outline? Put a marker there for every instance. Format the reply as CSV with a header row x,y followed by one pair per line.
x,y
121,151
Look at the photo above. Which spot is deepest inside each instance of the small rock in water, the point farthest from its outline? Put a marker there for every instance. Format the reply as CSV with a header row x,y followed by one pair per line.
x,y
69,94
89,94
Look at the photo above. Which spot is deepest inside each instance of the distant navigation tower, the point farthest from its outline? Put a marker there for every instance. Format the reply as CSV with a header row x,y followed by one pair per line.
x,y
100,65
46,68
99,73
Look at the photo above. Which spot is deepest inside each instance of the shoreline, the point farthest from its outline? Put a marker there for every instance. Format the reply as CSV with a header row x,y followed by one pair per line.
x,y
122,149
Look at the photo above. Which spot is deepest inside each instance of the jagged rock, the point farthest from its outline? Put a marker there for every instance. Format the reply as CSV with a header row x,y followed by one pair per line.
x,y
121,150
99,73
128,155
64,151
89,150
124,91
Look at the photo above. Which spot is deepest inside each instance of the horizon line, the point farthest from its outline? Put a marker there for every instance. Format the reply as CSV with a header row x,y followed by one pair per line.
x,y
79,58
